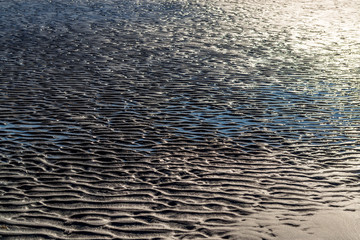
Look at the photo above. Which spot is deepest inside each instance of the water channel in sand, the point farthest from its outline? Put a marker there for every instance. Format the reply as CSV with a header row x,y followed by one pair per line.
x,y
184,119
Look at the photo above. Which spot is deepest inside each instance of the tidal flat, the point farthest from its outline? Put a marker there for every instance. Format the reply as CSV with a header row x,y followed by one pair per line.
x,y
179,119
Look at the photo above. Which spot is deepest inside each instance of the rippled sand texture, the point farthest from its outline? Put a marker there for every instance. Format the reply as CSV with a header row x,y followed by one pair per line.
x,y
179,119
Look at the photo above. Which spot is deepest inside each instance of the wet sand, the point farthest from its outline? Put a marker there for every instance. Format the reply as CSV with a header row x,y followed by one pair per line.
x,y
179,120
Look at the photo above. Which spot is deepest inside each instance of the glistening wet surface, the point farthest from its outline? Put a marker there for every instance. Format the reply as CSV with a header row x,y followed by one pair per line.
x,y
182,119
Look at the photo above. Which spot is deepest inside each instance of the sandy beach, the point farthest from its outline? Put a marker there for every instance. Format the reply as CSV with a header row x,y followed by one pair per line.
x,y
179,119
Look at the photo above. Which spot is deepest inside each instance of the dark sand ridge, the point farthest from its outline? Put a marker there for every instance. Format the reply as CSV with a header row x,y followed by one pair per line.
x,y
178,120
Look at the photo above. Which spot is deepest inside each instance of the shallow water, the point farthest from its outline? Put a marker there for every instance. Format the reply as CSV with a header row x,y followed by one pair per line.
x,y
182,119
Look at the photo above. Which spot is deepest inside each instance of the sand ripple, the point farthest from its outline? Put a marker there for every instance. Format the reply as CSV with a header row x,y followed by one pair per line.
x,y
179,120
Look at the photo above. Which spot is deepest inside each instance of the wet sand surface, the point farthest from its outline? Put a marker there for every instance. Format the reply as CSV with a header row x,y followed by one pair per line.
x,y
179,119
